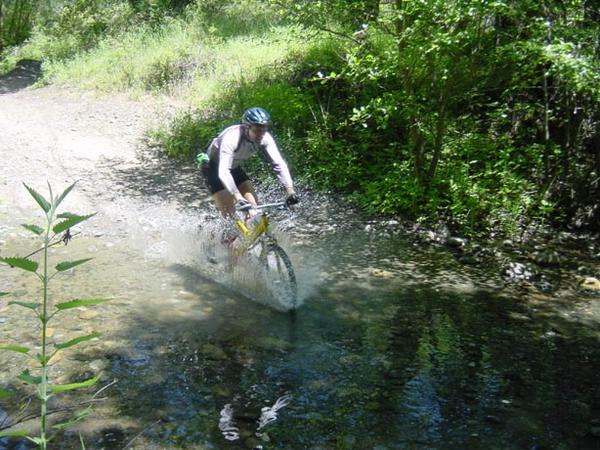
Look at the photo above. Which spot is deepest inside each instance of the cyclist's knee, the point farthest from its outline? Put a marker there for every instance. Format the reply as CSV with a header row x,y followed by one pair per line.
x,y
225,203
248,192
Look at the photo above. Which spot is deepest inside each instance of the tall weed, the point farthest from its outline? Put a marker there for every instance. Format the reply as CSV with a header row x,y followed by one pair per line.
x,y
56,229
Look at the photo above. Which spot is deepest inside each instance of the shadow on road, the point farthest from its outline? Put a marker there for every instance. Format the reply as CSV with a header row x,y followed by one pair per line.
x,y
26,73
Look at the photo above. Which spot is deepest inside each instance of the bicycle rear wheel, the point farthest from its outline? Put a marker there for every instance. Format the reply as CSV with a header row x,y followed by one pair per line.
x,y
280,274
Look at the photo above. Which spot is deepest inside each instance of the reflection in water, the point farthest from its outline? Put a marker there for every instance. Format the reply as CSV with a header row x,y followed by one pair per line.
x,y
268,414
422,416
226,424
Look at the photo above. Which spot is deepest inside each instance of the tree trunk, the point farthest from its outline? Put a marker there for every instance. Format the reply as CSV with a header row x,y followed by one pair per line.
x,y
399,22
440,132
418,144
1,26
372,10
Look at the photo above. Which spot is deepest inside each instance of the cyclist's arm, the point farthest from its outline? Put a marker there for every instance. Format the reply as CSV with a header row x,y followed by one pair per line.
x,y
273,156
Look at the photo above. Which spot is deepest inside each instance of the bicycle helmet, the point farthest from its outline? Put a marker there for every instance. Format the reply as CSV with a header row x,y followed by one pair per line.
x,y
256,116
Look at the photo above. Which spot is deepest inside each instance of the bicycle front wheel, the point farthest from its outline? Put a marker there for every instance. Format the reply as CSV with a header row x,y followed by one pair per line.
x,y
281,276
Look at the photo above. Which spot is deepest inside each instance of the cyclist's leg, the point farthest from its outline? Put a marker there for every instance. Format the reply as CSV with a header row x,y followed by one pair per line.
x,y
246,189
225,202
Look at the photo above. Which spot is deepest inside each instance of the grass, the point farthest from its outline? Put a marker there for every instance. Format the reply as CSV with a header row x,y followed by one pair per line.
x,y
187,58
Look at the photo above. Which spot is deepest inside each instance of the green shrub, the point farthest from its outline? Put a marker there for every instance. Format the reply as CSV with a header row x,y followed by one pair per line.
x,y
187,134
79,26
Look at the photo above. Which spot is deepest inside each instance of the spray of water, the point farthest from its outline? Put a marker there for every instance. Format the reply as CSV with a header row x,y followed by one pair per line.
x,y
244,274
194,238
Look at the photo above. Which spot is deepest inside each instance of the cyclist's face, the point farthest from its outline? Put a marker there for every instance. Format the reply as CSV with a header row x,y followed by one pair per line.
x,y
256,132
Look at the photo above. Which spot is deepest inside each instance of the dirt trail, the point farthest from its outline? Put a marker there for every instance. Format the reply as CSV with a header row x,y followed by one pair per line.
x,y
144,231
58,135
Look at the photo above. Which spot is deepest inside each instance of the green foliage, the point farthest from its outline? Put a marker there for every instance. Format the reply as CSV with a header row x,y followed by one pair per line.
x,y
441,111
153,8
288,105
186,135
191,132
477,112
16,21
232,18
45,311
350,13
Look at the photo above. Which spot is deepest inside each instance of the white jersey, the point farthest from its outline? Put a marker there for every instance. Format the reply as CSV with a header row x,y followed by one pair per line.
x,y
232,147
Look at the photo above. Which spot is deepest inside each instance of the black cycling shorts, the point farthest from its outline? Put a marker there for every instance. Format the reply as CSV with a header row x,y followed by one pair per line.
x,y
214,182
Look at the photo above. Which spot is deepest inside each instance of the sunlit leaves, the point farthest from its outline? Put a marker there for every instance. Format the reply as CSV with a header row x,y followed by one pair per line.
x,y
34,229
79,415
66,265
71,386
26,377
78,303
5,394
13,433
77,340
43,359
27,305
70,221
14,348
44,204
62,196
21,263
580,71
40,378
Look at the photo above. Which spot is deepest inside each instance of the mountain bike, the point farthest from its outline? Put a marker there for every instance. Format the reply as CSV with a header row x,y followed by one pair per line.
x,y
253,238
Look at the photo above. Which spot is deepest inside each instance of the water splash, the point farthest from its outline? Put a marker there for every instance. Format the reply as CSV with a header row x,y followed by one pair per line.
x,y
243,274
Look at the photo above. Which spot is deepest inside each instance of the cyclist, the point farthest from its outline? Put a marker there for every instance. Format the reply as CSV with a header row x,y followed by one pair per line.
x,y
227,181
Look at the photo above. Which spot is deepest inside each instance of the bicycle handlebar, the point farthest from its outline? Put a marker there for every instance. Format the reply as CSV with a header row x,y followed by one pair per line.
x,y
264,206
271,205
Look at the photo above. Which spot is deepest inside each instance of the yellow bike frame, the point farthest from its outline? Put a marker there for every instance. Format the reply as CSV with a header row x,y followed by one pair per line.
x,y
250,236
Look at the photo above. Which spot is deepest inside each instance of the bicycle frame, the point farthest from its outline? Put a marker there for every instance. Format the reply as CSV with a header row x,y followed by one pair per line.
x,y
251,236
257,241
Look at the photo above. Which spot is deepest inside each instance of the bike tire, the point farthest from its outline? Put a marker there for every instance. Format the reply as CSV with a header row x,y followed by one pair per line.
x,y
281,272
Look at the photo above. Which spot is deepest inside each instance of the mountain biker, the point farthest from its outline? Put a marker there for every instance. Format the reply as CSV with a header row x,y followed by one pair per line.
x,y
228,183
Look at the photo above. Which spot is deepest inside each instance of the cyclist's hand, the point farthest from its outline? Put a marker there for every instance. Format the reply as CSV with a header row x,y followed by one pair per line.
x,y
291,199
243,205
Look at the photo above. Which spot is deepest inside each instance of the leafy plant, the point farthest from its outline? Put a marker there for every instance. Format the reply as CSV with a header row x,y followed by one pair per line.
x,y
16,20
56,229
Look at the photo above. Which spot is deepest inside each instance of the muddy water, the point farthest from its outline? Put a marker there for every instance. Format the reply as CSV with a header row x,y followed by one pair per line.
x,y
395,346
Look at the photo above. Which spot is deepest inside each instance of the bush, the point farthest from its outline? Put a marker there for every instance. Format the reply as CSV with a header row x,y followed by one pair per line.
x,y
187,134
78,27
